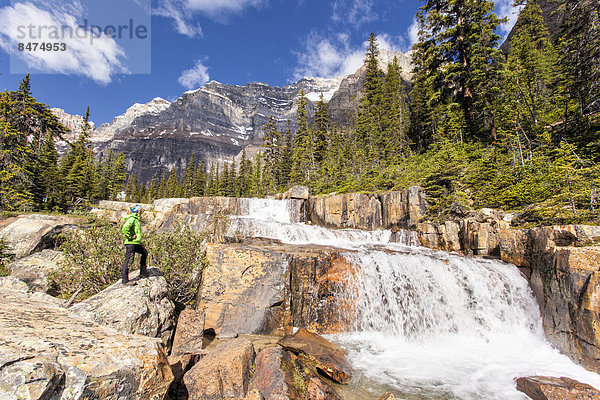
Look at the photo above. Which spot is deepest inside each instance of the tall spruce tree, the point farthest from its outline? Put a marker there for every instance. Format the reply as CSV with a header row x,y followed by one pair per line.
x,y
272,154
303,156
455,61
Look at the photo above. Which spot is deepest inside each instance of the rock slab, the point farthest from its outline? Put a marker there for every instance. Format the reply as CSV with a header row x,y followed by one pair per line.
x,y
27,234
34,269
47,351
189,333
551,388
143,309
327,358
222,374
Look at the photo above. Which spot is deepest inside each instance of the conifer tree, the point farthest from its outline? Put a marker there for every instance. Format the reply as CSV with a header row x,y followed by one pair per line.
x,y
172,187
455,59
199,181
272,154
321,127
287,151
302,158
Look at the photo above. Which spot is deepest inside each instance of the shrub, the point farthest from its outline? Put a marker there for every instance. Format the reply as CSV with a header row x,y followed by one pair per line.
x,y
94,256
5,259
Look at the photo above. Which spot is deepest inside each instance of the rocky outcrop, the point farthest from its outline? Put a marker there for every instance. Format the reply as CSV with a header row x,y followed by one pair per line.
x,y
551,388
562,264
401,209
189,334
143,309
327,358
222,374
34,269
47,352
27,234
267,287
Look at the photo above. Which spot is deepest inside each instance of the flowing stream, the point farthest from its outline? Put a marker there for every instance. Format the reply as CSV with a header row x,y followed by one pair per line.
x,y
429,324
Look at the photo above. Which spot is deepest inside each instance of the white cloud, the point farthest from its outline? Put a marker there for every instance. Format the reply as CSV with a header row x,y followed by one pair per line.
x,y
328,57
194,77
413,33
505,8
97,57
182,12
355,12
335,56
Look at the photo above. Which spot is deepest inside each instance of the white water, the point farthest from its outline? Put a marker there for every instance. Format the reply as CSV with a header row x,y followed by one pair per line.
x,y
429,325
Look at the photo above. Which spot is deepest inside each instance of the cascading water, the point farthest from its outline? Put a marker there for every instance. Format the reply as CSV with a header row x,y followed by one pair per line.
x,y
428,324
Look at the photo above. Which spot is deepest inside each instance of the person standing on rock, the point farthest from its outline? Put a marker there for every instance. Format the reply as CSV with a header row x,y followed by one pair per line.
x,y
132,230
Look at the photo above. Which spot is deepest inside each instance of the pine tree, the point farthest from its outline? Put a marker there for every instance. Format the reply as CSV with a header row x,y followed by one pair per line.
x,y
455,60
321,128
302,158
272,154
244,178
172,187
199,181
287,151
394,111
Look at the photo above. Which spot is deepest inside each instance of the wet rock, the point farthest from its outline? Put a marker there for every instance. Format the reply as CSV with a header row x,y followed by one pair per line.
x,y
262,287
327,358
223,373
189,333
551,388
50,353
34,269
143,309
27,234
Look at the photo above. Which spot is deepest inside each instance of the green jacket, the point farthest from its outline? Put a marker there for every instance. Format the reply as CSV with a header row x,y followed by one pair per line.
x,y
132,227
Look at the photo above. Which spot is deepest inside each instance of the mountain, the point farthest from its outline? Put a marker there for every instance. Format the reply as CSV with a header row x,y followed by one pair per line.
x,y
73,122
216,121
552,16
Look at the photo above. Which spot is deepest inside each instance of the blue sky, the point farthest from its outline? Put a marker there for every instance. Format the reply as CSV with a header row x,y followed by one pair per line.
x,y
190,42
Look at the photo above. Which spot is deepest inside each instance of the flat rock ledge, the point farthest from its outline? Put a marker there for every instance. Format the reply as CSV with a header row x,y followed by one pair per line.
x,y
551,388
47,352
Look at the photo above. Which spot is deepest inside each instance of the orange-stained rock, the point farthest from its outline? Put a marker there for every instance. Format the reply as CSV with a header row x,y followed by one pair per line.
x,y
223,373
267,287
189,333
327,358
550,388
388,396
281,375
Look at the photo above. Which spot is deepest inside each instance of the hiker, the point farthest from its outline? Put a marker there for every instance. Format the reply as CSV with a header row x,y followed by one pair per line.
x,y
133,237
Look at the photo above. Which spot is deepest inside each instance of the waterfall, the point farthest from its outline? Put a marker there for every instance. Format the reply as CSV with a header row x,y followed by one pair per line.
x,y
428,324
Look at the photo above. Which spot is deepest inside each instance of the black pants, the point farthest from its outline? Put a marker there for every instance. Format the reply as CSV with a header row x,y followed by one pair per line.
x,y
130,250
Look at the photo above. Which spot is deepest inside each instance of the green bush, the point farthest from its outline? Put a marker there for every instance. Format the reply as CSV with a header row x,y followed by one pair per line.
x,y
94,256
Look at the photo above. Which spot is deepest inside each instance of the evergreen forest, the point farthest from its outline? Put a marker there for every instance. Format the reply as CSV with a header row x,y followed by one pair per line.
x,y
516,129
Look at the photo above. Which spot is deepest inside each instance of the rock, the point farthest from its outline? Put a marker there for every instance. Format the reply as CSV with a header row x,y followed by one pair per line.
x,y
143,309
280,375
328,359
352,210
12,283
551,388
264,287
43,344
270,378
388,396
189,333
34,269
403,208
297,192
30,233
223,373
254,394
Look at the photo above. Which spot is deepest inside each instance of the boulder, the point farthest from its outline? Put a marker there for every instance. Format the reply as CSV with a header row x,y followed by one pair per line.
x,y
27,234
189,333
265,287
281,375
223,373
327,358
352,210
47,352
143,309
12,283
551,388
34,269
297,192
